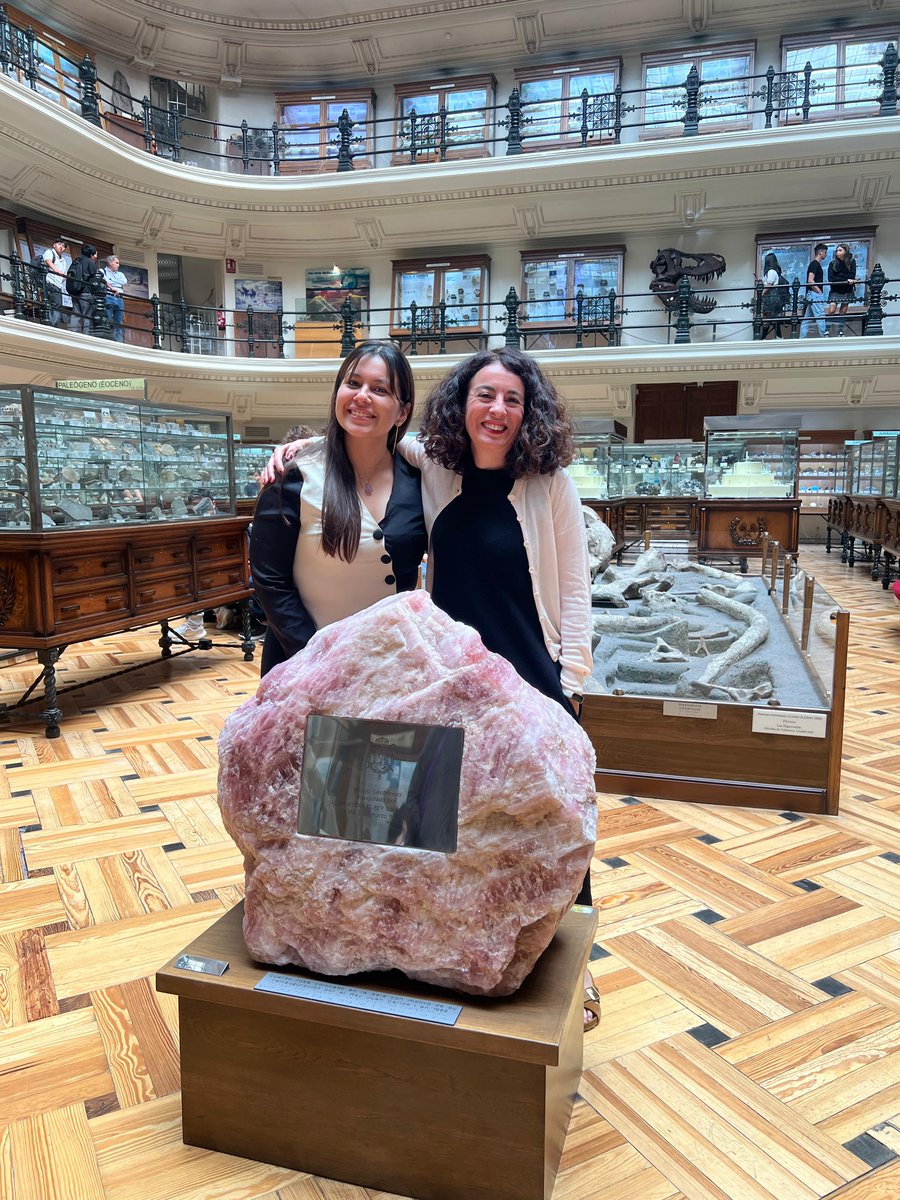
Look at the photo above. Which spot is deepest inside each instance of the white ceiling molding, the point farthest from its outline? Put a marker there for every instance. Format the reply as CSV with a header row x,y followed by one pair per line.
x,y
233,53
155,223
529,25
690,207
371,233
870,191
147,41
697,14
367,55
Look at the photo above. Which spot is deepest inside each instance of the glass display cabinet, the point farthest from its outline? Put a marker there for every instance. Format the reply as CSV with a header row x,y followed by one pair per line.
x,y
752,481
752,463
598,467
68,459
249,460
823,465
664,468
866,461
889,442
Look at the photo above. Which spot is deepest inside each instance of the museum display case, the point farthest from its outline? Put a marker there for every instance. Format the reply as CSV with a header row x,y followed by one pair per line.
x,y
750,463
822,468
82,460
598,467
664,468
728,689
752,484
249,460
113,515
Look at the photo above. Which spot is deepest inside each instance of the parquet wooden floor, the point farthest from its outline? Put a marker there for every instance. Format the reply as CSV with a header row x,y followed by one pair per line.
x,y
749,961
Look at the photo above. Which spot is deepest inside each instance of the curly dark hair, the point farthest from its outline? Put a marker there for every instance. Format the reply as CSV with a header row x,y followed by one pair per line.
x,y
544,441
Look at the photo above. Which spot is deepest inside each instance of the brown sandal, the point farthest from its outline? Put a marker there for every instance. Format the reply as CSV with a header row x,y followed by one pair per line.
x,y
592,1003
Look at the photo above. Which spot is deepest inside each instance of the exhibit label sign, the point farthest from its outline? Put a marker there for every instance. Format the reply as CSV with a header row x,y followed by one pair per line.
x,y
118,386
203,966
790,723
364,999
690,708
389,782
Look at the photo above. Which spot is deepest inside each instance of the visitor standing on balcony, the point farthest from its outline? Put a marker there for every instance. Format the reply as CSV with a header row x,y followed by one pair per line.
x,y
841,281
116,282
80,286
815,293
774,296
54,279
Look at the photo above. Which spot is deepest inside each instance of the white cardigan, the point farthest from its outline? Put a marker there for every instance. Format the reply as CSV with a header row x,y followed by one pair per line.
x,y
553,530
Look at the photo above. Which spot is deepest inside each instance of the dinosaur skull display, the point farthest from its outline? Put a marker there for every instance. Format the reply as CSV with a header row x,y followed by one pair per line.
x,y
671,265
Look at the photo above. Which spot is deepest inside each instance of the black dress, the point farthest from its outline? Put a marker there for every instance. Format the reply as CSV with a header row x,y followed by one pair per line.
x,y
481,577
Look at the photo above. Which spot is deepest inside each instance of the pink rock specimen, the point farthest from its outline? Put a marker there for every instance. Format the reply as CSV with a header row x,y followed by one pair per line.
x,y
476,920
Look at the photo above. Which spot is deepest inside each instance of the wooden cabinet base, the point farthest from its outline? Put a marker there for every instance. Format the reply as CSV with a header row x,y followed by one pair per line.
x,y
477,1110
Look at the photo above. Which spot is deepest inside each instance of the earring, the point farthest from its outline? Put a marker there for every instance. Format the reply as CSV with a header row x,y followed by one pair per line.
x,y
396,437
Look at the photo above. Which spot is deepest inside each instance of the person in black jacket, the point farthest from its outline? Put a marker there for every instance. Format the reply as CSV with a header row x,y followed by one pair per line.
x,y
841,280
344,526
82,274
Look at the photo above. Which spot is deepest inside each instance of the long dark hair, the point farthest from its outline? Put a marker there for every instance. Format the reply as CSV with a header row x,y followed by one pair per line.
x,y
771,263
544,441
341,522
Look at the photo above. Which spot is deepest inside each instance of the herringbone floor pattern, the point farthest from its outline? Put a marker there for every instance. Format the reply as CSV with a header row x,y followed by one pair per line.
x,y
749,961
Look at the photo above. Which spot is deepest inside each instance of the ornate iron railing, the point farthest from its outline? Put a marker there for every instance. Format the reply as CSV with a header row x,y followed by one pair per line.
x,y
582,321
777,97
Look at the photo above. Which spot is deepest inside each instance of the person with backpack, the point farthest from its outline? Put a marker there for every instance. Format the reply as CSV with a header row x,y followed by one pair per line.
x,y
80,286
774,296
50,266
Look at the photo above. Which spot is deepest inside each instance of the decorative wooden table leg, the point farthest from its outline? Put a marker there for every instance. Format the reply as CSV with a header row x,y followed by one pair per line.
x,y
828,539
51,715
851,551
876,560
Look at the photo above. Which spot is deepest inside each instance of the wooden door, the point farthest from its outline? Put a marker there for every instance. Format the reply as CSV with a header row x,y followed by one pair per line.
x,y
676,410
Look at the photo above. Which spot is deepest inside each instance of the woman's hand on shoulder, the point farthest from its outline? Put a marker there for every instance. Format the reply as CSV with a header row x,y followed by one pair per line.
x,y
280,457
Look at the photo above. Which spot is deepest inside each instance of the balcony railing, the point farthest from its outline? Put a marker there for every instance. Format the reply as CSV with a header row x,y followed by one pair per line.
x,y
762,101
678,316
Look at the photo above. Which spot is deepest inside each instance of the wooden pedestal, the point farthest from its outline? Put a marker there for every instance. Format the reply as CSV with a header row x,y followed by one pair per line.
x,y
475,1111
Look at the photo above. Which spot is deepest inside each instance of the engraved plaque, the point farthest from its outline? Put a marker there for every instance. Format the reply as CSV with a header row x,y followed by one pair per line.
x,y
389,782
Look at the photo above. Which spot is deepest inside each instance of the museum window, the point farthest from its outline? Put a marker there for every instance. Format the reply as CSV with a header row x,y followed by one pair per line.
x,y
725,87
56,59
553,107
553,279
794,252
449,119
308,121
460,282
846,75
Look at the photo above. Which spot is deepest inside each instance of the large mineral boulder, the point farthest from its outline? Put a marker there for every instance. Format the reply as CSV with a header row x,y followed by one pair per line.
x,y
475,920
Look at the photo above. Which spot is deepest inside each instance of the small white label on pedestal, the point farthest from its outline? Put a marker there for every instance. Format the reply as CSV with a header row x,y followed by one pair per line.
x,y
356,997
690,708
789,723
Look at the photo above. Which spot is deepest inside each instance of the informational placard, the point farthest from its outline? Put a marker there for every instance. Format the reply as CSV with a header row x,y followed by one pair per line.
x,y
118,386
363,999
789,722
690,708
389,782
202,966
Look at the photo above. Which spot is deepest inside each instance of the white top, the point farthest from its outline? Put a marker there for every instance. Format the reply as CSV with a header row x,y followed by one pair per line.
x,y
771,278
50,256
330,588
553,530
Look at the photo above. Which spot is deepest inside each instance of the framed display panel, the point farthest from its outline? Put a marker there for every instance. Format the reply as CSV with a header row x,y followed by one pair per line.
x,y
597,468
552,102
551,281
460,282
308,128
778,751
73,460
664,468
845,66
725,85
468,103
